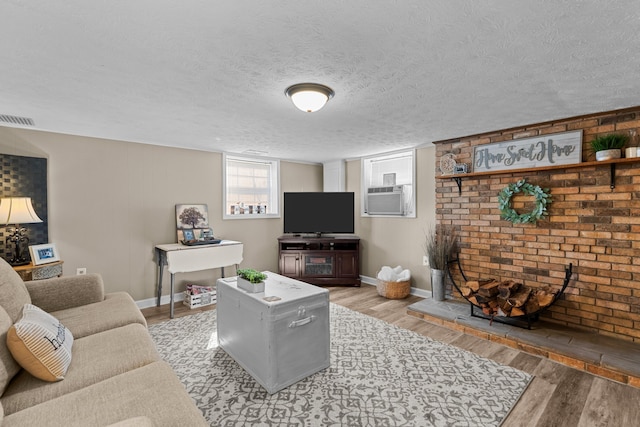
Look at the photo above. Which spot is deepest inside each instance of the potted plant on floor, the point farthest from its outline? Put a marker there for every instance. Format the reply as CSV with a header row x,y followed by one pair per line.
x,y
251,280
439,246
609,146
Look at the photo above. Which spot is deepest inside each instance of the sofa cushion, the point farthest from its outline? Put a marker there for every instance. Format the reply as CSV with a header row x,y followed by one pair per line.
x,y
152,391
8,365
60,293
117,309
13,292
95,358
40,344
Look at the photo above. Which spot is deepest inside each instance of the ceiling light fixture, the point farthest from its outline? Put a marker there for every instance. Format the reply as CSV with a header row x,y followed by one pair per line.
x,y
309,97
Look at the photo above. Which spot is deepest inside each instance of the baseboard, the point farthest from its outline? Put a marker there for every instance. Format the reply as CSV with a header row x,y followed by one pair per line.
x,y
151,302
414,291
368,280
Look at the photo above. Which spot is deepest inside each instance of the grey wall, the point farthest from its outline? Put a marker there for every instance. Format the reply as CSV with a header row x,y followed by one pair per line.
x,y
111,202
396,241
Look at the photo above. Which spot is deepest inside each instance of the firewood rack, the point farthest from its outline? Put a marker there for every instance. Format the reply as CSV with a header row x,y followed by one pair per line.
x,y
518,321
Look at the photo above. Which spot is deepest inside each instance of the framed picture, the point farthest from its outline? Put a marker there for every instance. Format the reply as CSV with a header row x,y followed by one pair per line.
x,y
192,216
188,234
460,168
563,148
43,254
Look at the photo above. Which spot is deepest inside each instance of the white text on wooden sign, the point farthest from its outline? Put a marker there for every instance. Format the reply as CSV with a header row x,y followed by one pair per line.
x,y
539,151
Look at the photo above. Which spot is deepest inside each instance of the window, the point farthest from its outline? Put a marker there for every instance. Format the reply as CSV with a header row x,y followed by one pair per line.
x,y
251,187
388,183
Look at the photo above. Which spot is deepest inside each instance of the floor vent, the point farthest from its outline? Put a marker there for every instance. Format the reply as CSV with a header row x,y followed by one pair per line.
x,y
15,120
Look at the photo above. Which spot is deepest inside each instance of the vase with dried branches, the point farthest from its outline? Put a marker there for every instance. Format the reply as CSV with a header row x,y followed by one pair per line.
x,y
439,246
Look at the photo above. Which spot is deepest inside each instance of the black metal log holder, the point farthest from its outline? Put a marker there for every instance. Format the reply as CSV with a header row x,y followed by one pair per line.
x,y
519,321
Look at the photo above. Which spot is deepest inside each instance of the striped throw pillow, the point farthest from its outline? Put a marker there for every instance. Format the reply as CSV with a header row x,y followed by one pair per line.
x,y
40,344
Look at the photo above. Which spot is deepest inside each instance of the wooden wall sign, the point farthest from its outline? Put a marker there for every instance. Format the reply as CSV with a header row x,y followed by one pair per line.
x,y
539,151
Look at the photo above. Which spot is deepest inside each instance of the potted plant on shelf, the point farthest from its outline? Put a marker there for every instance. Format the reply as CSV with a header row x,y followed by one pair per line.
x,y
439,245
609,146
251,280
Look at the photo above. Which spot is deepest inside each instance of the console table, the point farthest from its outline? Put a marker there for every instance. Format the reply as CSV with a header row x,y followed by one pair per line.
x,y
184,259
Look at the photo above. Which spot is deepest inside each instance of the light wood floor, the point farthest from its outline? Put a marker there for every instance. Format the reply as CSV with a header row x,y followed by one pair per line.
x,y
557,396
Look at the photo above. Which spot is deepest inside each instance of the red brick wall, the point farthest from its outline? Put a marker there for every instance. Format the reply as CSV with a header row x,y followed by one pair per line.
x,y
589,224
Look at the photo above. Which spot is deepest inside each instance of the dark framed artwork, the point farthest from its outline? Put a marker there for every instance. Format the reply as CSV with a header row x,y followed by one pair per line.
x,y
25,177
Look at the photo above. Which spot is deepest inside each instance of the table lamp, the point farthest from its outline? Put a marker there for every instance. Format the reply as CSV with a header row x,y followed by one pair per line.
x,y
18,210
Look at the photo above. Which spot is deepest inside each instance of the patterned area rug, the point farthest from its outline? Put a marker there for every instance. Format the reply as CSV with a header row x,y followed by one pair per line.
x,y
380,375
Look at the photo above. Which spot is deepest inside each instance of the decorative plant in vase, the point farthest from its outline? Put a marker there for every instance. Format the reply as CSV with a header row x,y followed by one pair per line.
x,y
609,146
439,245
251,280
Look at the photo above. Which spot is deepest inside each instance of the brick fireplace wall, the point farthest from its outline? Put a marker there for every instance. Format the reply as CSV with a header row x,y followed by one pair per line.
x,y
589,224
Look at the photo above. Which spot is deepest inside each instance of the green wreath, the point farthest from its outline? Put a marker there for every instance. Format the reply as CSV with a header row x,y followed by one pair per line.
x,y
542,200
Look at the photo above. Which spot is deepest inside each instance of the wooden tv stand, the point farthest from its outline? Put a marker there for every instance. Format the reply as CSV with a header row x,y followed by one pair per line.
x,y
320,260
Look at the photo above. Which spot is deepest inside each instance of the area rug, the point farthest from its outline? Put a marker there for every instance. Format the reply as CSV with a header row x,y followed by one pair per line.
x,y
380,375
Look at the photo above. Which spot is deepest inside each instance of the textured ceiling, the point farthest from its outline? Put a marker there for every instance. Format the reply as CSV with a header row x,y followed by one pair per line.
x,y
211,75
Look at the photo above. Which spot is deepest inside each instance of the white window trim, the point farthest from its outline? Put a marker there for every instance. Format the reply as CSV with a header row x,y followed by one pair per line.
x,y
364,182
227,215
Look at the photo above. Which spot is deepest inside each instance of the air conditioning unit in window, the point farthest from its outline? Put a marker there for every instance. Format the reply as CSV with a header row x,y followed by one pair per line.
x,y
385,200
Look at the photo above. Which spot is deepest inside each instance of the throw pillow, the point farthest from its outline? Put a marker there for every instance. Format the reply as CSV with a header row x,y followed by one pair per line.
x,y
40,344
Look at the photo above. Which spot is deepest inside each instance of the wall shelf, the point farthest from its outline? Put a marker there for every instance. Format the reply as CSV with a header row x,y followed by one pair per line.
x,y
612,164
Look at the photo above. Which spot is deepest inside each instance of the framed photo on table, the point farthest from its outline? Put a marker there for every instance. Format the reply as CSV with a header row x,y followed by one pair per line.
x,y
43,254
188,234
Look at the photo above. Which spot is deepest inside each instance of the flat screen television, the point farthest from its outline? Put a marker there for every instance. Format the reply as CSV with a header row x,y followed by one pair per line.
x,y
318,213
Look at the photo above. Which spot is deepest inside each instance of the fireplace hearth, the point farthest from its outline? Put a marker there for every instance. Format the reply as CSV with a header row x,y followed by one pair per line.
x,y
608,357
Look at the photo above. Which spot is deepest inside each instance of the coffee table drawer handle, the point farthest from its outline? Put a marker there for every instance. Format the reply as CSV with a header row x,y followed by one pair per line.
x,y
302,322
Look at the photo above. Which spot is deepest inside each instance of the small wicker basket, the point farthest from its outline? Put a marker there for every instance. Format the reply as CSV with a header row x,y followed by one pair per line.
x,y
394,290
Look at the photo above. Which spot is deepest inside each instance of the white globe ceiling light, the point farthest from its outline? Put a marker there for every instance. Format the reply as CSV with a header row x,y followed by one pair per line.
x,y
309,97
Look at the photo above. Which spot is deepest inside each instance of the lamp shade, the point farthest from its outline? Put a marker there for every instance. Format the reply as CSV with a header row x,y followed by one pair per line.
x,y
309,97
17,210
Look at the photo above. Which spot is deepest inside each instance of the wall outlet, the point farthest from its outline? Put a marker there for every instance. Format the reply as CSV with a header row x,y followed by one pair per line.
x,y
81,271
425,260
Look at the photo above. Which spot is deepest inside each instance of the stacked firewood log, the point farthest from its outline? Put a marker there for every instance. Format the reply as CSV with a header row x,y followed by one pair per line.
x,y
507,298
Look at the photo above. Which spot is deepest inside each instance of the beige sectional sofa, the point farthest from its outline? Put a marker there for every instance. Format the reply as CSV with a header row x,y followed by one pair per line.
x,y
115,376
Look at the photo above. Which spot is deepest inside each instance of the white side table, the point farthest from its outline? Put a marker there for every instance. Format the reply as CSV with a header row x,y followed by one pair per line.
x,y
184,259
